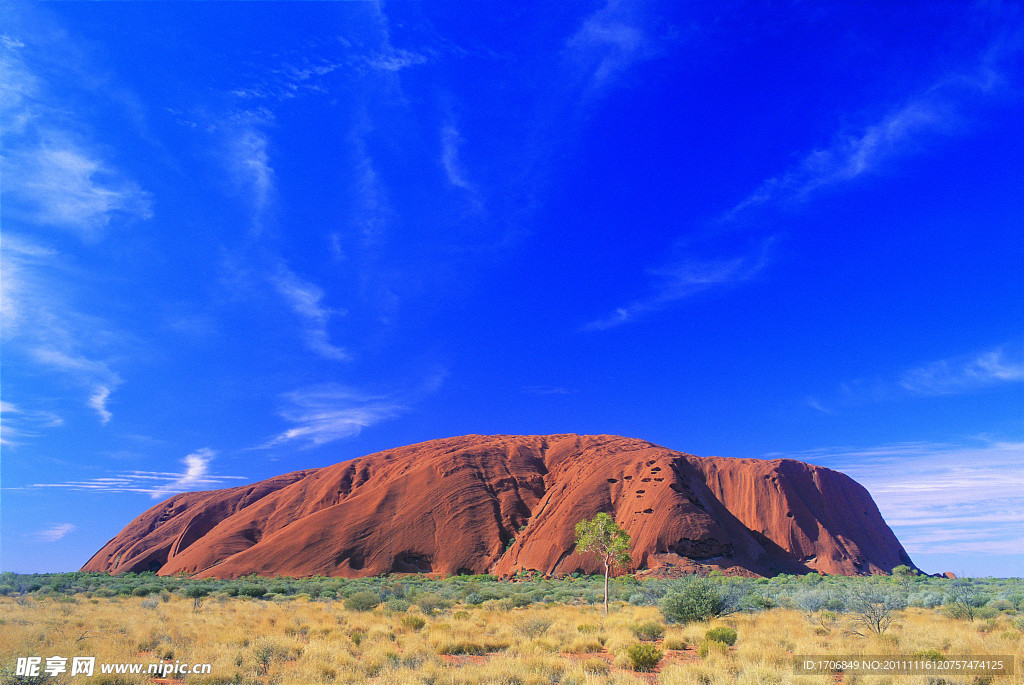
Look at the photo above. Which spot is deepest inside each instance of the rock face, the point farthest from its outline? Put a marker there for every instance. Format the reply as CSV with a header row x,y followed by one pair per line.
x,y
501,504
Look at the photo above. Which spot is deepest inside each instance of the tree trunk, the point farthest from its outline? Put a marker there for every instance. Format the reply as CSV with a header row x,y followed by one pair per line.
x,y
606,586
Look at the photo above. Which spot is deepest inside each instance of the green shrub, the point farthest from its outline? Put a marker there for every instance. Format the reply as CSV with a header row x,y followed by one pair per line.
x,y
986,612
639,599
722,634
397,604
431,602
362,601
595,666
252,590
755,601
519,600
650,631
1001,605
413,622
712,645
926,600
643,656
699,599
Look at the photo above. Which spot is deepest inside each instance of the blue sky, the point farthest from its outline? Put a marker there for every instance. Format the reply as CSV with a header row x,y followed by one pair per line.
x,y
240,239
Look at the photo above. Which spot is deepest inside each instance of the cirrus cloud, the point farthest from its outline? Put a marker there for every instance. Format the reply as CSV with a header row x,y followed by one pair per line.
x,y
195,476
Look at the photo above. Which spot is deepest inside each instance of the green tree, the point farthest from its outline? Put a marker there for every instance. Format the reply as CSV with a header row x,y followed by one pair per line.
x,y
604,537
904,575
197,592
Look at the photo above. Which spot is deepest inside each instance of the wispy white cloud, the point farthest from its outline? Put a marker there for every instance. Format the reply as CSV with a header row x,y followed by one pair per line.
x,y
451,140
302,77
17,424
38,319
395,59
455,172
58,178
327,413
60,183
252,163
936,111
293,80
547,390
98,402
20,88
816,405
56,532
849,155
965,374
941,497
245,150
89,372
55,176
156,484
63,361
608,42
685,279
958,375
385,56
197,467
306,300
373,208
304,297
21,283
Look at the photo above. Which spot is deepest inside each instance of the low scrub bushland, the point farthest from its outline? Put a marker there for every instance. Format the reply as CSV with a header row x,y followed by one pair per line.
x,y
474,629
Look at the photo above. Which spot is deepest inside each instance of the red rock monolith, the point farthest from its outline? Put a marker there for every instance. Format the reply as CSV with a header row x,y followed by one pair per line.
x,y
503,504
